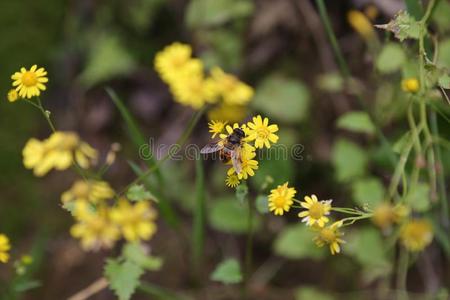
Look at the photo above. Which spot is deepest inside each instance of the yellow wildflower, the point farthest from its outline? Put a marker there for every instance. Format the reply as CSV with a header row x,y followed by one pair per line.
x,y
136,222
230,113
192,90
216,127
171,60
262,132
330,235
416,234
93,191
13,95
59,151
232,90
94,227
248,164
30,83
361,24
316,211
280,199
410,85
232,181
385,214
5,246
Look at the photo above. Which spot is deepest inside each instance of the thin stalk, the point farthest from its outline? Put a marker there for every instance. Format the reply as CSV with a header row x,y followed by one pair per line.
x,y
402,274
345,70
45,114
249,243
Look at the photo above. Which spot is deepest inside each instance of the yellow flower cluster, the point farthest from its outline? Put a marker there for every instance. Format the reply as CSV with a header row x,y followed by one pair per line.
x,y
191,86
258,134
5,246
100,225
28,83
60,151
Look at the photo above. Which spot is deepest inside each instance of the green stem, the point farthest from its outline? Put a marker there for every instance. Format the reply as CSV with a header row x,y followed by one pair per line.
x,y
402,274
45,114
345,70
249,244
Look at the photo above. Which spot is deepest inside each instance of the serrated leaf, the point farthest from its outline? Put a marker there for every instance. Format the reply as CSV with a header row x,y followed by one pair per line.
x,y
228,215
138,192
444,81
262,204
292,98
296,242
242,192
418,197
227,272
391,58
403,26
357,121
309,292
123,277
135,253
368,191
349,160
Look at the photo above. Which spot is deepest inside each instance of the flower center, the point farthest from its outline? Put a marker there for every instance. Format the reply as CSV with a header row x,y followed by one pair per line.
x,y
316,210
263,133
328,235
279,201
29,79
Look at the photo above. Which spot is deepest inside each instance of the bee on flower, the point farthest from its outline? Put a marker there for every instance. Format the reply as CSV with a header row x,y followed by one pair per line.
x,y
30,83
5,246
331,236
59,151
316,211
136,222
281,199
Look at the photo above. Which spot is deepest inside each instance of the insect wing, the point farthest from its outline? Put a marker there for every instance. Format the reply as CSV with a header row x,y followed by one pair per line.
x,y
236,160
212,147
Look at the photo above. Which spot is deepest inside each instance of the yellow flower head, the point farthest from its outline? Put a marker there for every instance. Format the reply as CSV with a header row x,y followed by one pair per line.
x,y
416,234
13,95
361,24
30,83
385,214
59,151
230,88
230,113
261,132
216,127
5,246
248,164
331,236
232,181
410,85
280,199
191,90
94,227
136,222
93,191
171,60
316,211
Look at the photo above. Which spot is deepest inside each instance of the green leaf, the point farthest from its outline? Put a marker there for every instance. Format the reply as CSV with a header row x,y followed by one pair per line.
x,y
227,272
228,215
444,81
418,197
206,13
368,191
107,59
242,192
280,170
296,242
391,58
357,121
349,160
123,277
403,26
138,192
282,98
330,82
262,204
309,292
444,53
440,15
367,246
135,253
